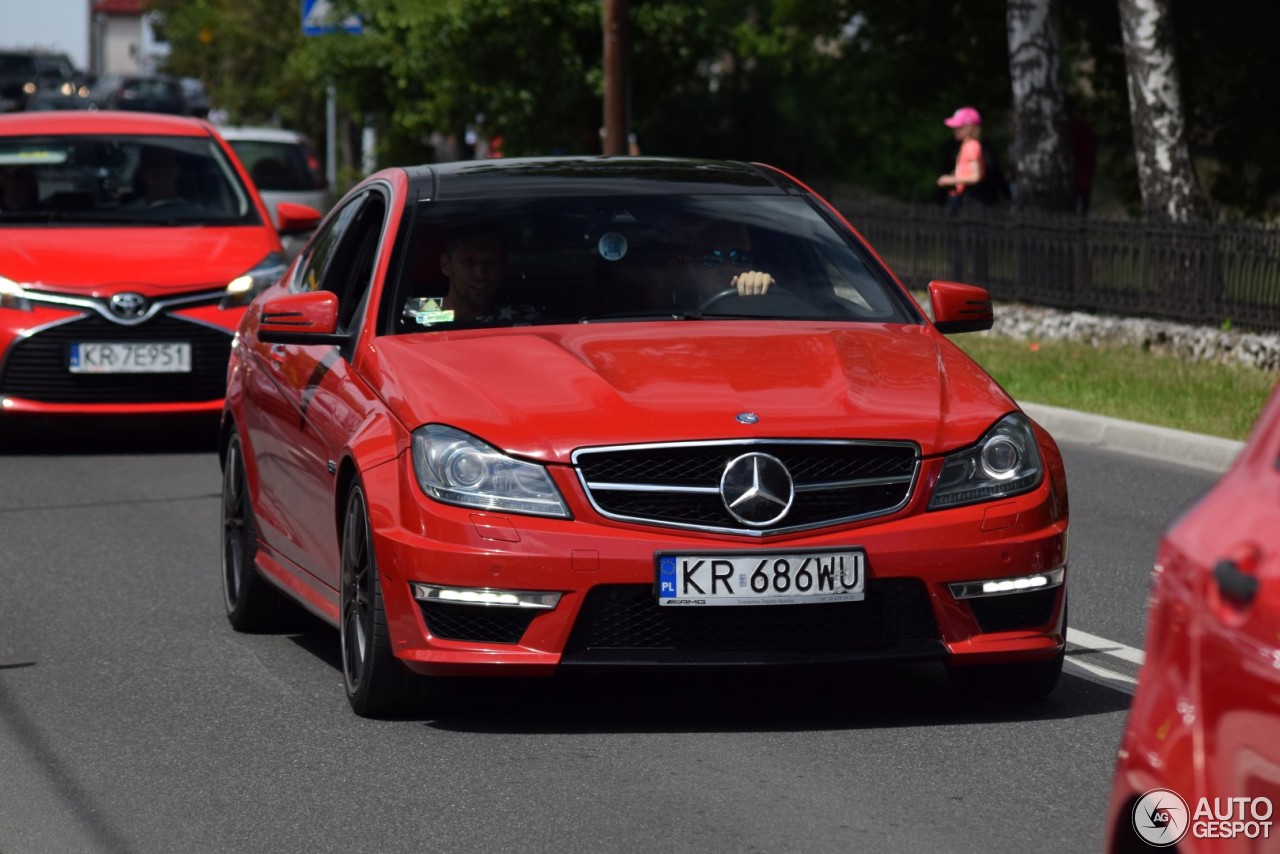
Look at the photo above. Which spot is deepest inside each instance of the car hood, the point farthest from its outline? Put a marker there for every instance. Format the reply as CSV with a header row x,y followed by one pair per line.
x,y
543,392
152,260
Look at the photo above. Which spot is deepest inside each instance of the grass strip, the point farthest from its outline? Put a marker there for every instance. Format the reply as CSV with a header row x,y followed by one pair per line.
x,y
1124,382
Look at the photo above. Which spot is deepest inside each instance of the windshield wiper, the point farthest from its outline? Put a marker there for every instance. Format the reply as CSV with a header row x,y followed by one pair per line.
x,y
647,314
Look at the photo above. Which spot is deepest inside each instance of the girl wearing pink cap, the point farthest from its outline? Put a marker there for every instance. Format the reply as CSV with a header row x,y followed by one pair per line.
x,y
967,124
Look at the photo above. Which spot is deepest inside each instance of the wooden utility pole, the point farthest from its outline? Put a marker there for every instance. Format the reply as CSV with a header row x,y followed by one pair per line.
x,y
615,77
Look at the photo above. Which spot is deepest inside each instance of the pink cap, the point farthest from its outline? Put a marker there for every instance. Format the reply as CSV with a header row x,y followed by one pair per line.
x,y
964,116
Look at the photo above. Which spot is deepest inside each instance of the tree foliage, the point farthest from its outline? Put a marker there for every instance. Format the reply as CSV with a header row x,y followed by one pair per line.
x,y
842,92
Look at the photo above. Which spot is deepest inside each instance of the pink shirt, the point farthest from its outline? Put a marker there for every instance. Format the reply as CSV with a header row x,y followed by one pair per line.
x,y
970,151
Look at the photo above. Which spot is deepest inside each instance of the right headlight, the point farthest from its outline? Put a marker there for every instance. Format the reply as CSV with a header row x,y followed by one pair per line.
x,y
1005,461
242,289
457,468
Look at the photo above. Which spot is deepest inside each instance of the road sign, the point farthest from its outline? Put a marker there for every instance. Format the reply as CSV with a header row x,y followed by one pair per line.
x,y
318,20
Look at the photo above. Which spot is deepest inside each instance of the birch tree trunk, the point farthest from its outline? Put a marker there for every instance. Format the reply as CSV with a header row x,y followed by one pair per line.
x,y
1042,155
1166,176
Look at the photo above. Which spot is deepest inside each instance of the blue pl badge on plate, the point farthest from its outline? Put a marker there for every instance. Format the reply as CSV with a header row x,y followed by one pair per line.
x,y
667,577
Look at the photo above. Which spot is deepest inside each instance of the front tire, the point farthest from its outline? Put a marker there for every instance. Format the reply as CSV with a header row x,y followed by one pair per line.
x,y
377,684
252,604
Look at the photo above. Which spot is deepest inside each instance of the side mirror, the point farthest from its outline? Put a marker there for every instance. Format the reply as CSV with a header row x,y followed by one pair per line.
x,y
960,308
293,218
309,318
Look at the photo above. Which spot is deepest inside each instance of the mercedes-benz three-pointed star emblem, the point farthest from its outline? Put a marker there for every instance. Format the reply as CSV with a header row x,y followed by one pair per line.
x,y
757,489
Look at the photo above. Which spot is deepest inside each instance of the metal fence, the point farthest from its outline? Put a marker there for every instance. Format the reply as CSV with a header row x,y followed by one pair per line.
x,y
1203,274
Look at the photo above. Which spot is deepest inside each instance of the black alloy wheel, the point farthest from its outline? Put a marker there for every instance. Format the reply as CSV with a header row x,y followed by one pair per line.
x,y
377,684
252,604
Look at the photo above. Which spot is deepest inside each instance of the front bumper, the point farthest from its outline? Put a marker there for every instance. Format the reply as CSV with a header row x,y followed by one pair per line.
x,y
606,612
35,380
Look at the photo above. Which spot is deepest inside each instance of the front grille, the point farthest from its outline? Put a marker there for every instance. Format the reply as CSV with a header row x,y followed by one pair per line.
x,y
678,485
1013,611
36,368
477,623
624,622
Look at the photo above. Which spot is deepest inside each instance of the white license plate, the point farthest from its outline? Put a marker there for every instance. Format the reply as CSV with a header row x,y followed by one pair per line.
x,y
762,579
131,357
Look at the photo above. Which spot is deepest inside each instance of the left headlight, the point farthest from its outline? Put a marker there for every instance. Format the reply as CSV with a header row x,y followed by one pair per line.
x,y
1005,461
12,295
457,468
243,288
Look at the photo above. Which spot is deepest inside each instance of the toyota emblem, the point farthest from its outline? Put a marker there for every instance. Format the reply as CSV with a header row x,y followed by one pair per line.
x,y
757,489
128,305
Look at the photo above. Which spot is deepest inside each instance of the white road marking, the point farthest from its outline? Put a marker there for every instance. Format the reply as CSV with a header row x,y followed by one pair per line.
x,y
1097,644
1102,671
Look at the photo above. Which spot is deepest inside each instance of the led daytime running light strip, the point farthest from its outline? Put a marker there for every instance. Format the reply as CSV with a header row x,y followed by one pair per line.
x,y
1005,586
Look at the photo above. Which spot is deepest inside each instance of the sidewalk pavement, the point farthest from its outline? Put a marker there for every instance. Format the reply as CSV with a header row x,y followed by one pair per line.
x,y
1176,446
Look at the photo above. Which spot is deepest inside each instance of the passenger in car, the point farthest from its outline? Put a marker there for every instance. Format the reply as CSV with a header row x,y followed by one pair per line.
x,y
19,191
474,262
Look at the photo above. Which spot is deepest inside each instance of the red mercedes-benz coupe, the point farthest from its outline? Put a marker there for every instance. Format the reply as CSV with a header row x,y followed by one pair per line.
x,y
511,417
1199,764
130,244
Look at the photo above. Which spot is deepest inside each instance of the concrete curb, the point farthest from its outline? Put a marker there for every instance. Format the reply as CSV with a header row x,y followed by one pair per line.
x,y
1211,453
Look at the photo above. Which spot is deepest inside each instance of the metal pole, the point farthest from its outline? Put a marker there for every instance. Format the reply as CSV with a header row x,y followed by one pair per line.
x,y
331,136
615,83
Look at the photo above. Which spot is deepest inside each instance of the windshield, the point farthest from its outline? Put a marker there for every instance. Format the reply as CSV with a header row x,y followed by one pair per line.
x,y
124,180
617,259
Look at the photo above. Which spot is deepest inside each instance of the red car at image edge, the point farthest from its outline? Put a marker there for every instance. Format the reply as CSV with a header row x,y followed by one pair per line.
x,y
1199,763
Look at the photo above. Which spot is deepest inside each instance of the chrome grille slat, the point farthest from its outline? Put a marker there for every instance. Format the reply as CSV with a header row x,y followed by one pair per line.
x,y
678,485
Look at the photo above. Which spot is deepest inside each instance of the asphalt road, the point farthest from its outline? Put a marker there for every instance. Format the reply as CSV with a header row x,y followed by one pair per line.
x,y
133,719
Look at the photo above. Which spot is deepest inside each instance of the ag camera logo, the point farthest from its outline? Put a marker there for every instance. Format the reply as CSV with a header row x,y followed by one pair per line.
x,y
1160,818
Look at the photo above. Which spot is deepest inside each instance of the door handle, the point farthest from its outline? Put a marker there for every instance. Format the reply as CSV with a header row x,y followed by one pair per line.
x,y
1235,583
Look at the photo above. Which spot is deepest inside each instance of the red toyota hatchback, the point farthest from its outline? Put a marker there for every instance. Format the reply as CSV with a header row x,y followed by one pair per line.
x,y
1199,765
519,416
130,244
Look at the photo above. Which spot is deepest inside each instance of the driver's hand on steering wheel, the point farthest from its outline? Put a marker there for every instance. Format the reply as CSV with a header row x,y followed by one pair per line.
x,y
752,283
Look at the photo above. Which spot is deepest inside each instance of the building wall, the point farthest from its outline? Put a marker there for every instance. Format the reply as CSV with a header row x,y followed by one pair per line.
x,y
121,44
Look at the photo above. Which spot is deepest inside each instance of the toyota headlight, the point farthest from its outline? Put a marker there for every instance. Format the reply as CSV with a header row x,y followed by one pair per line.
x,y
12,295
457,468
242,289
1006,461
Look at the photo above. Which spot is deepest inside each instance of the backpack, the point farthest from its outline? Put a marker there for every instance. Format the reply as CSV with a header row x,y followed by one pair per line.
x,y
993,189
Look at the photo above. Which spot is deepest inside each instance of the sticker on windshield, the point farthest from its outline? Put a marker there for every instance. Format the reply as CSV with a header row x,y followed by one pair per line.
x,y
612,246
427,311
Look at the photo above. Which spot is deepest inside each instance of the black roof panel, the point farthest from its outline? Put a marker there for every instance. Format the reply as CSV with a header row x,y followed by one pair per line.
x,y
589,176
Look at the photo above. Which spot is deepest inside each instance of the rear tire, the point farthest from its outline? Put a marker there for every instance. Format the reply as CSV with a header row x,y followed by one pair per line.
x,y
252,604
377,683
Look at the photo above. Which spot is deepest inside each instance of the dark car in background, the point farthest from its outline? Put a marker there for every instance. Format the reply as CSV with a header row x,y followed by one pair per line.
x,y
197,97
147,93
23,73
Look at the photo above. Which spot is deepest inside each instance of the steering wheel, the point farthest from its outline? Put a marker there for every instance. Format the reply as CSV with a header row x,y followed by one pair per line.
x,y
723,295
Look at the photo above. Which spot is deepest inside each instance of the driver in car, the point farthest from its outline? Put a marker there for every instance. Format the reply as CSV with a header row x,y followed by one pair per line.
x,y
156,181
719,259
